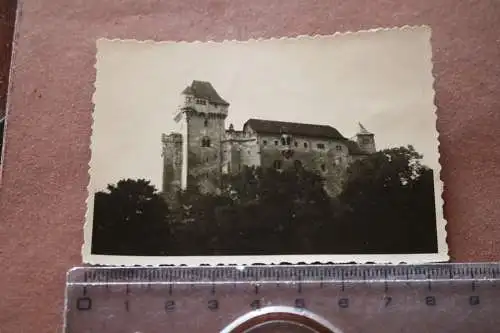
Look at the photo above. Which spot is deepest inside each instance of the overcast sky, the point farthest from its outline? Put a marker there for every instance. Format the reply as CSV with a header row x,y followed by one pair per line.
x,y
382,79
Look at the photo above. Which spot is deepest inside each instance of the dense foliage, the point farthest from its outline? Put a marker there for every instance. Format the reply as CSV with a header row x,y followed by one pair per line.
x,y
387,206
130,218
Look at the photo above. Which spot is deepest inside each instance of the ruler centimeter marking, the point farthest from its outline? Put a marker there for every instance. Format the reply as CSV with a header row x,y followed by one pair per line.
x,y
277,274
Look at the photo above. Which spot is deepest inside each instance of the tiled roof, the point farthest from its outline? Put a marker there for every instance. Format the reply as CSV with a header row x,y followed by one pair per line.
x,y
205,90
300,129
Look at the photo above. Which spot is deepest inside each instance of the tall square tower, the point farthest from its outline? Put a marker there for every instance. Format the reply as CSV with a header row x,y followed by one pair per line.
x,y
201,116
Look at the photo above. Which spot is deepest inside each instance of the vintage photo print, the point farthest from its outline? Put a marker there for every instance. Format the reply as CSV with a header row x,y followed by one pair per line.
x,y
297,150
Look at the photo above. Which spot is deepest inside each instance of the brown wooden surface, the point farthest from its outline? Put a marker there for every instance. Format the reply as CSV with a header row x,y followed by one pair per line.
x,y
43,190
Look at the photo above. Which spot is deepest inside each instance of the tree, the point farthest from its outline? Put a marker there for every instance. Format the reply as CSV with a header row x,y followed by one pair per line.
x,y
389,204
277,211
130,218
259,211
194,222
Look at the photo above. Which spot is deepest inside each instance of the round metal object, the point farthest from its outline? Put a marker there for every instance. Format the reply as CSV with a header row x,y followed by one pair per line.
x,y
280,319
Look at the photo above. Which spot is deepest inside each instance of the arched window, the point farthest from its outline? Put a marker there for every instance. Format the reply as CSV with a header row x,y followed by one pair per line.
x,y
283,140
305,144
205,122
205,142
323,167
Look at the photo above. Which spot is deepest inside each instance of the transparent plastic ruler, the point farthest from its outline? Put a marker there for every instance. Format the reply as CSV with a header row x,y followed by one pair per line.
x,y
459,298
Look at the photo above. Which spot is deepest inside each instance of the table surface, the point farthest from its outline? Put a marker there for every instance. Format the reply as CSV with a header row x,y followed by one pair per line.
x,y
44,179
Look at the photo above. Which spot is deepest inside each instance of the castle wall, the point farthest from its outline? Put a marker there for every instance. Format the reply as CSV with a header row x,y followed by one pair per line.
x,y
240,152
172,162
250,153
228,152
298,143
204,164
189,101
321,162
189,160
330,162
366,142
231,157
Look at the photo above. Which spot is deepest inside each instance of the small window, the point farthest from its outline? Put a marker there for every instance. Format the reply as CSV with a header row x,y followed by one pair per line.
x,y
264,142
277,164
205,122
205,142
338,147
275,142
283,142
296,144
320,145
297,164
201,101
189,99
365,141
305,144
323,167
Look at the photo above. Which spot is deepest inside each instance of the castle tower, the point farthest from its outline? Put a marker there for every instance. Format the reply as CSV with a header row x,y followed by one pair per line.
x,y
201,117
172,164
366,140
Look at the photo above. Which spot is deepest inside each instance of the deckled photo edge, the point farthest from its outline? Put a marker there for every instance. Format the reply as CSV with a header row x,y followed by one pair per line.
x,y
439,187
104,40
117,260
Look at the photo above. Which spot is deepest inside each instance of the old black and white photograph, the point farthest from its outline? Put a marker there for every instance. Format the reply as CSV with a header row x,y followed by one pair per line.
x,y
299,149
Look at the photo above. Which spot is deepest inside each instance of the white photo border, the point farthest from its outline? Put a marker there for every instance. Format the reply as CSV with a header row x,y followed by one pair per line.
x,y
118,260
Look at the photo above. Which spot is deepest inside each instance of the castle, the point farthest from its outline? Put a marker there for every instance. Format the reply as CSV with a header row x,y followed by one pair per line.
x,y
204,149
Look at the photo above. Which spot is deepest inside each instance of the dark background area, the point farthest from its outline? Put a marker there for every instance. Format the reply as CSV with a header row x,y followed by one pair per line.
x,y
45,174
7,20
